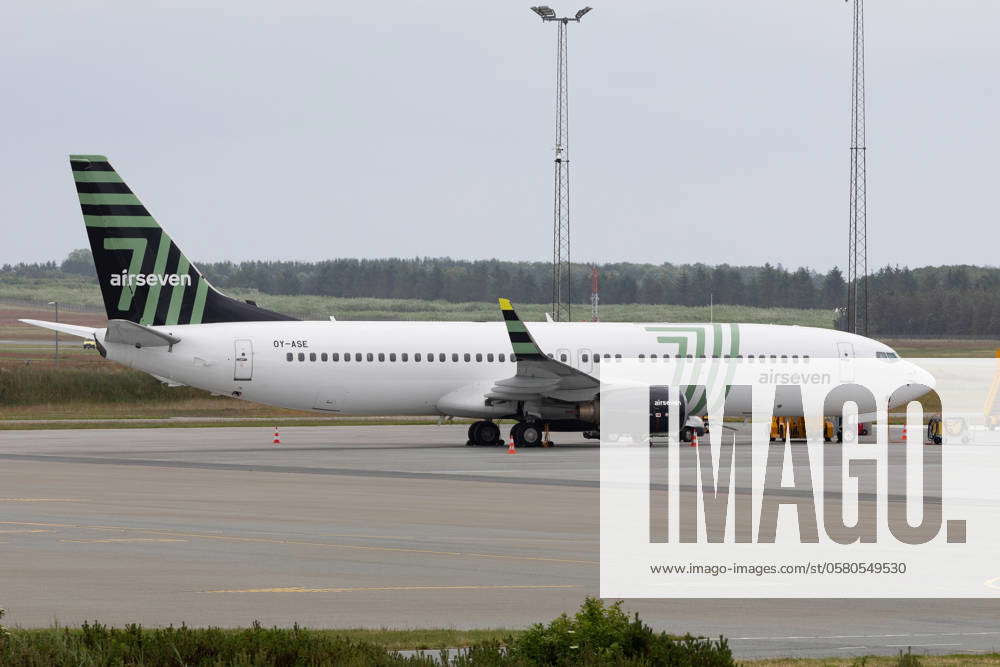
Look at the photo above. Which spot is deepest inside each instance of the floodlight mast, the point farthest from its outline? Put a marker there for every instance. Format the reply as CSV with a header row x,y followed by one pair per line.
x,y
561,259
858,320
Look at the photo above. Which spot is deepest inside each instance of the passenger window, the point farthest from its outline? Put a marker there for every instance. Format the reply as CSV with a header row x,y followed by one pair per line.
x,y
489,356
597,358
347,356
454,356
584,358
430,356
335,356
562,356
416,356
370,356
381,356
289,356
618,356
550,356
774,358
468,357
503,357
312,356
607,355
404,356
642,357
479,356
652,356
795,358
784,358
392,356
302,356
323,357
441,356
357,356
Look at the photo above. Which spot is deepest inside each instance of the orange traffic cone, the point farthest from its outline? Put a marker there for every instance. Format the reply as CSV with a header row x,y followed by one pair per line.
x,y
694,438
904,434
277,440
511,449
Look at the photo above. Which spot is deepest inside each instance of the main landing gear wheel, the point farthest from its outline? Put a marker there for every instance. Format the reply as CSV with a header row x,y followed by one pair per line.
x,y
484,433
526,434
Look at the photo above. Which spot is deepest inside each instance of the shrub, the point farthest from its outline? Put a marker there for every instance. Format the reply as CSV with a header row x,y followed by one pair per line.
x,y
600,634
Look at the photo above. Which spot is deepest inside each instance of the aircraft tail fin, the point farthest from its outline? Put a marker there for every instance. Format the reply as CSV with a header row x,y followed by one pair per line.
x,y
144,276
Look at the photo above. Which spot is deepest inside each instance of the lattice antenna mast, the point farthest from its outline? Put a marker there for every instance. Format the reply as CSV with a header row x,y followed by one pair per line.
x,y
857,267
561,259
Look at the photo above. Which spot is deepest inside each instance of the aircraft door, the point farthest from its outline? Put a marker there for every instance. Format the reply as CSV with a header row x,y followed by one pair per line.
x,y
243,368
845,352
585,360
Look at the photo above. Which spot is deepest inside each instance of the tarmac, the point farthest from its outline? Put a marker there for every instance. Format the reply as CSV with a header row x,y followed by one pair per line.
x,y
366,526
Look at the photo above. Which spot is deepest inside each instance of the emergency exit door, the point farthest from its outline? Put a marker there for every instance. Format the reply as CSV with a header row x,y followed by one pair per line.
x,y
243,369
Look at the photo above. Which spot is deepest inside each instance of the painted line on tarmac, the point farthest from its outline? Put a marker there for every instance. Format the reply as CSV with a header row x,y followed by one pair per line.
x,y
303,470
308,543
35,523
402,474
891,636
25,530
127,539
42,500
918,645
357,589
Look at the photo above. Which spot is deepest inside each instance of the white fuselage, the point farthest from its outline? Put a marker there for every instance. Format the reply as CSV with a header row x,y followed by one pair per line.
x,y
303,365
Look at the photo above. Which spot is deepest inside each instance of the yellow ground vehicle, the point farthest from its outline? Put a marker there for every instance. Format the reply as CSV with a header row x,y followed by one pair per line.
x,y
795,427
89,345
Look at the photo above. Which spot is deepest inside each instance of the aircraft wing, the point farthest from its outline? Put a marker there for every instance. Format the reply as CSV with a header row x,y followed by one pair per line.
x,y
538,375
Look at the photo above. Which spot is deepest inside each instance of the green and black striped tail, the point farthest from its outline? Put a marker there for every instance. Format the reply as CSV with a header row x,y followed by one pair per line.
x,y
144,276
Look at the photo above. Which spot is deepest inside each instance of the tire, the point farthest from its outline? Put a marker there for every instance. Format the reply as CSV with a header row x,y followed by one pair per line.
x,y
487,434
526,435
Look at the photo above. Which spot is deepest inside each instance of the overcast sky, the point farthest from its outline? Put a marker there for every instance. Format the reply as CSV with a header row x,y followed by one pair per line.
x,y
714,132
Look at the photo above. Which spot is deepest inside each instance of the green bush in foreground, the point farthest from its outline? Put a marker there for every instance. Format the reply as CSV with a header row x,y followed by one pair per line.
x,y
596,635
599,635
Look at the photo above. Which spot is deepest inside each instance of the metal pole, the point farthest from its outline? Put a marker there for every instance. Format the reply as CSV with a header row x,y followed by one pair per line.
x,y
560,227
857,266
561,258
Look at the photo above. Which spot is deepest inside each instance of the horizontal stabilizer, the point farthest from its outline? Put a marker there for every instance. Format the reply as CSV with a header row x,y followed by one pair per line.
x,y
71,329
130,333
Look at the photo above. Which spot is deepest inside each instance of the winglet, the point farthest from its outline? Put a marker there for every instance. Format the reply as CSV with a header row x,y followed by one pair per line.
x,y
523,344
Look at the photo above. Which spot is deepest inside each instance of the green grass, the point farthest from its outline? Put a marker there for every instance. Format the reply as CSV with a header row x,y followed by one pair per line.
x,y
72,291
596,635
34,384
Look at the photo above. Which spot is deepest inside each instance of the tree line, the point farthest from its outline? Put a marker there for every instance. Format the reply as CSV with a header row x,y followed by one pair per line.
x,y
946,300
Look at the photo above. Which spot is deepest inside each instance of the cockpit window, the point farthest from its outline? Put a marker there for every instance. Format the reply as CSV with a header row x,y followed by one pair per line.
x,y
886,355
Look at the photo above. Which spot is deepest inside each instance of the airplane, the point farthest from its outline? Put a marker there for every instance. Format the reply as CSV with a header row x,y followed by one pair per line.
x,y
166,319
